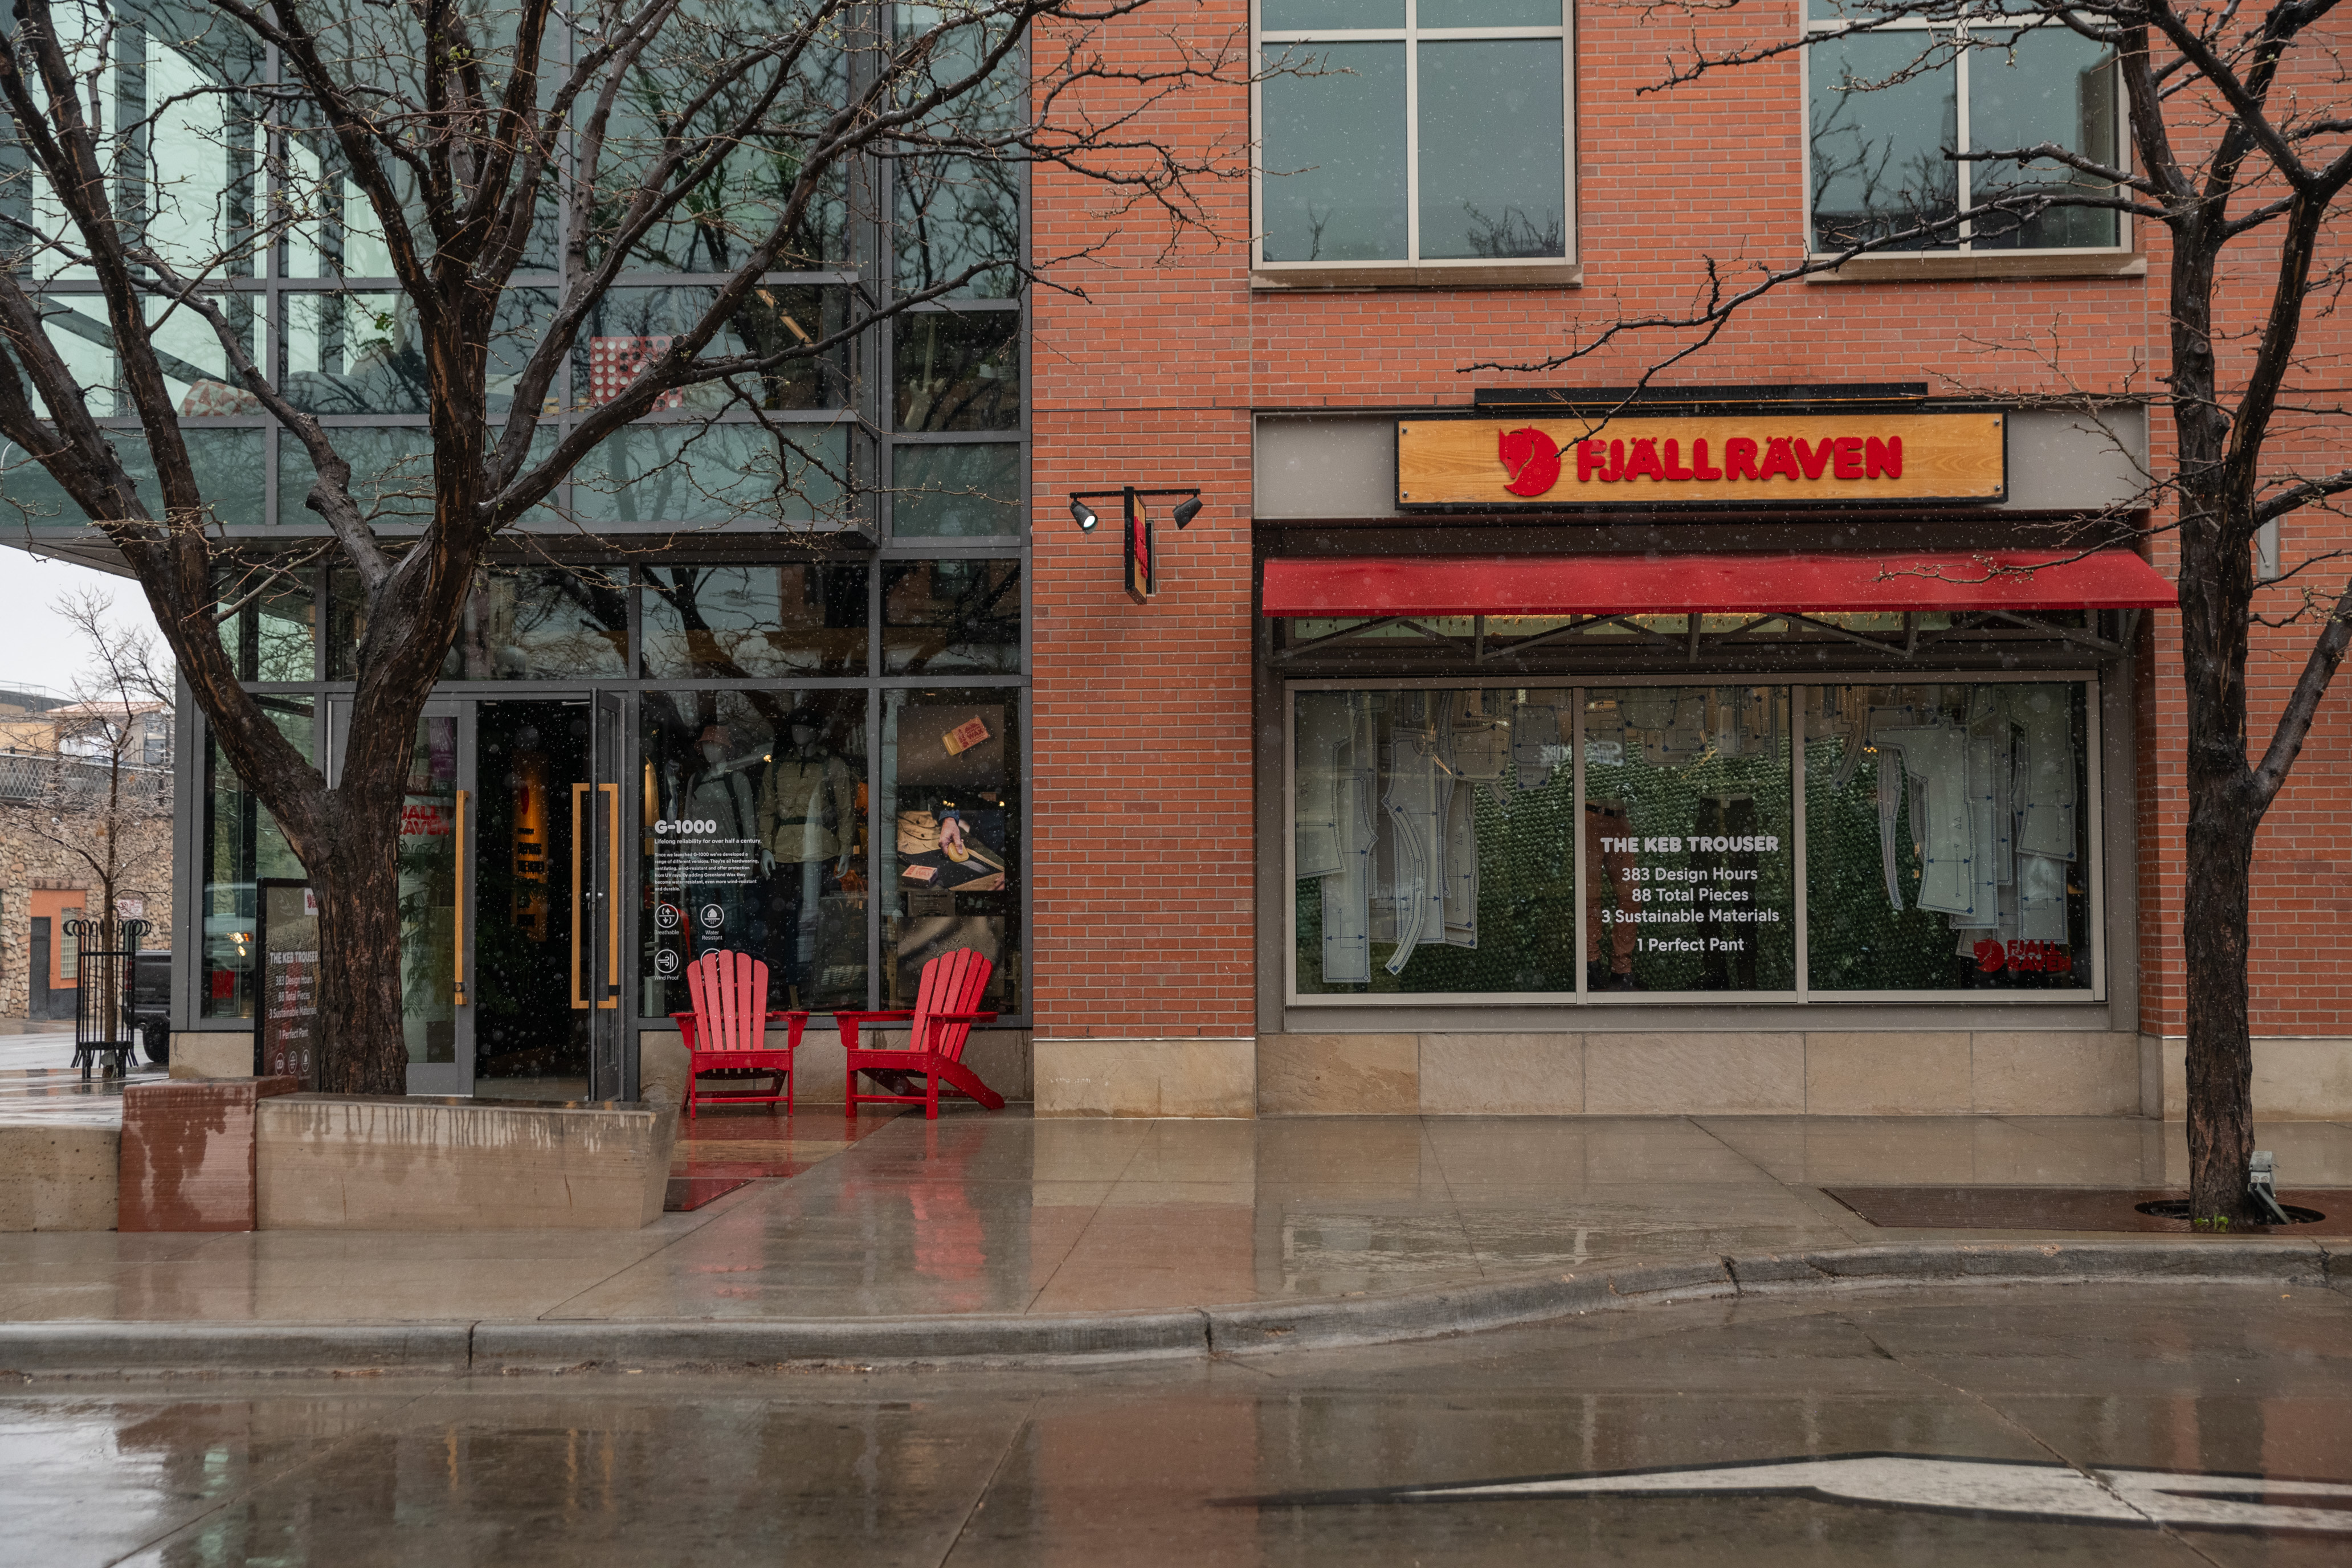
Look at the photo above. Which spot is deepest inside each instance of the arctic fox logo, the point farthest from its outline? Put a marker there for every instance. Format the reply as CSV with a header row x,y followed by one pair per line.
x,y
1531,459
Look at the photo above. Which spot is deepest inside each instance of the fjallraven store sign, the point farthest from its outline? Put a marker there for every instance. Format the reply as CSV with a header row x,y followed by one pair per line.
x,y
1745,460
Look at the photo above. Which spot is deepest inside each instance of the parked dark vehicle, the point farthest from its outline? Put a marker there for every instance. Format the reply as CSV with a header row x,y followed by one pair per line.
x,y
147,1011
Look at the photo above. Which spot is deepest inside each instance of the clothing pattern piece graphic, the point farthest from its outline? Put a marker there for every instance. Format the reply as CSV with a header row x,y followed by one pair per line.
x,y
1458,890
2046,804
1874,723
2041,898
1348,893
1325,731
1984,810
1935,760
1417,823
1535,728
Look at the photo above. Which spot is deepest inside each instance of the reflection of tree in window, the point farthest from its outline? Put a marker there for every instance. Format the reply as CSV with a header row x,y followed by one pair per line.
x,y
948,605
736,205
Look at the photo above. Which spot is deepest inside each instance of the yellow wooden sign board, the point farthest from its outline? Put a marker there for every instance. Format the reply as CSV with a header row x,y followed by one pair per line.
x,y
1737,460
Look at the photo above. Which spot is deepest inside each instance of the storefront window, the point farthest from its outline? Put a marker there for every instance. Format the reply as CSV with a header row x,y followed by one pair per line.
x,y
1435,842
737,623
1947,828
1688,816
1944,847
242,844
754,838
950,869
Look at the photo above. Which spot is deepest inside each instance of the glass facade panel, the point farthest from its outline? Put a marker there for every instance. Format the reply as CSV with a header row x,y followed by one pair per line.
x,y
1947,828
228,465
542,623
958,372
241,844
944,616
736,623
753,837
1435,841
742,200
271,635
632,328
961,492
950,863
391,475
713,473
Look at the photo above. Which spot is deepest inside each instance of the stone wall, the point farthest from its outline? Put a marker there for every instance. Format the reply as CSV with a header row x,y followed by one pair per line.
x,y
29,862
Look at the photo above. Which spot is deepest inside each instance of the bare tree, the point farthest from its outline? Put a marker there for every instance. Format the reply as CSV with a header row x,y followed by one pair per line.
x,y
101,795
737,137
2239,149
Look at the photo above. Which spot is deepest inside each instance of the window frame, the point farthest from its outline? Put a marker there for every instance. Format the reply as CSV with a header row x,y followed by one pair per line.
x,y
1802,994
1412,267
1812,27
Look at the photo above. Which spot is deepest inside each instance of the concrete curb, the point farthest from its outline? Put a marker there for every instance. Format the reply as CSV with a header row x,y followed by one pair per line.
x,y
136,1349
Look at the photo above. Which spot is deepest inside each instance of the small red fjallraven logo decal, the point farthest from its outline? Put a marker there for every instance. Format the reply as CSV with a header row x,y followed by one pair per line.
x,y
1531,459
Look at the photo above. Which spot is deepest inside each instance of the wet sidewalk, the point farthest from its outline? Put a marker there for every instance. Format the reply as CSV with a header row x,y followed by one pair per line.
x,y
1005,1214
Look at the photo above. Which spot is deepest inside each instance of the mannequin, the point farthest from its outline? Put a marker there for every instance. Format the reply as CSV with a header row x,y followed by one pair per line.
x,y
808,840
718,791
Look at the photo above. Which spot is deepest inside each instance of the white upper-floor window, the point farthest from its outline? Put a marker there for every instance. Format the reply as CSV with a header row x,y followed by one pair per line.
x,y
1414,132
1887,108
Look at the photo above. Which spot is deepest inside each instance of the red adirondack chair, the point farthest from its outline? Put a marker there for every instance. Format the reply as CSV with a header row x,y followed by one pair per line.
x,y
939,1023
727,1030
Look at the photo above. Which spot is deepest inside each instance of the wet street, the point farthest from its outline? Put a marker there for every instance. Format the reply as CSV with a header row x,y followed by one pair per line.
x,y
2209,1425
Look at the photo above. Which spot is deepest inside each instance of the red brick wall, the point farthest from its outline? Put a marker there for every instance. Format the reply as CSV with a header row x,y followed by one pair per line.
x,y
1142,853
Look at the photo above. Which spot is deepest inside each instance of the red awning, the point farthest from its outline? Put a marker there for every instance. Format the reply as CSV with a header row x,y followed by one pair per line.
x,y
2020,580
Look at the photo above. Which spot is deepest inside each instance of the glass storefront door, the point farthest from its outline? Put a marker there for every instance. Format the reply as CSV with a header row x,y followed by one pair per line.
x,y
511,899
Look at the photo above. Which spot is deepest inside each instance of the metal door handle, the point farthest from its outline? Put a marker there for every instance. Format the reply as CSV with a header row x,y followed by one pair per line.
x,y
458,851
578,902
612,793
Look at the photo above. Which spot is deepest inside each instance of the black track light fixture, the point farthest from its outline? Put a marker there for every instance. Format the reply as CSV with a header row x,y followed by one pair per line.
x,y
1139,559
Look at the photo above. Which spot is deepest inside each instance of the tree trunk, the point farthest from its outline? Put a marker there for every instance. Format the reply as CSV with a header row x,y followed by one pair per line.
x,y
2225,812
2221,853
362,1046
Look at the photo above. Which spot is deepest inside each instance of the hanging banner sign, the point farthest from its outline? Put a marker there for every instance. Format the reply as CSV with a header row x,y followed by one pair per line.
x,y
1750,462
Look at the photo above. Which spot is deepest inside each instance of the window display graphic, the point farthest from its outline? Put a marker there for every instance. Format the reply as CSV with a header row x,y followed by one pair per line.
x,y
1948,840
753,839
1688,804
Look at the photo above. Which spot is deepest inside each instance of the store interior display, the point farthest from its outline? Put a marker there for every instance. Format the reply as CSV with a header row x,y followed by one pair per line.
x,y
755,839
1954,814
1444,844
952,838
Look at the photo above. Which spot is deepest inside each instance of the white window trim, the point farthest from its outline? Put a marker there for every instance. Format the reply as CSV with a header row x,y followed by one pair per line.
x,y
1804,995
1965,256
1412,267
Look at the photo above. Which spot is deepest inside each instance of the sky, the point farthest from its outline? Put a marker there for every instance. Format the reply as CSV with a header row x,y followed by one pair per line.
x,y
37,647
